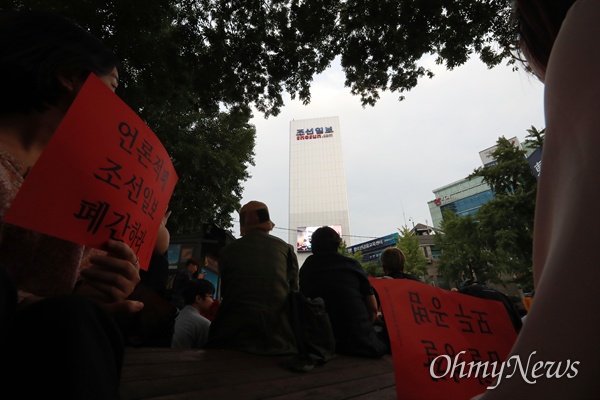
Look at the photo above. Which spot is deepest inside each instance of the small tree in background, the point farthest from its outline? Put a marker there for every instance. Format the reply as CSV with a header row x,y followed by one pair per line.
x,y
464,252
506,221
416,262
343,250
535,137
372,268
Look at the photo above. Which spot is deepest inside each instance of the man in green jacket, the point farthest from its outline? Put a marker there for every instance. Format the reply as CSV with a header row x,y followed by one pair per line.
x,y
257,271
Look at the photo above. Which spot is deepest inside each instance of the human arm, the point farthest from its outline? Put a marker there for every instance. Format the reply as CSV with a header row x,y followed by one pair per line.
x,y
367,291
163,236
371,303
292,270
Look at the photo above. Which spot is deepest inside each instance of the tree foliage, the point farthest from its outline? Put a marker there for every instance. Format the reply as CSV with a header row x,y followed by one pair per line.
x,y
193,69
511,174
499,237
535,137
507,220
208,157
373,268
169,74
416,262
464,251
343,250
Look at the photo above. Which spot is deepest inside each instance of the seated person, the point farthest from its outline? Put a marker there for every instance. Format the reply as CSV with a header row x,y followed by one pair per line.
x,y
481,290
258,271
349,297
191,270
153,325
191,327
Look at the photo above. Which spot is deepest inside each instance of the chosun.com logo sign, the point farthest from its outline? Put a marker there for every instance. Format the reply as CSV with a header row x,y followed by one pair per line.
x,y
314,133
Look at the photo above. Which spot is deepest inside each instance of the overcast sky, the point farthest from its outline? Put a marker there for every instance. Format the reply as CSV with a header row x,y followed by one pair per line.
x,y
397,152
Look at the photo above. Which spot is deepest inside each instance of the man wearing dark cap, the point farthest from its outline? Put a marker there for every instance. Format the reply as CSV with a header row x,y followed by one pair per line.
x,y
258,271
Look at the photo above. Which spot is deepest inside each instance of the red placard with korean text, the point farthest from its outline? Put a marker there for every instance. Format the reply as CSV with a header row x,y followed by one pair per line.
x,y
438,337
103,175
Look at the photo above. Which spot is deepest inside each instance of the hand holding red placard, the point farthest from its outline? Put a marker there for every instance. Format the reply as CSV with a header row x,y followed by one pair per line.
x,y
444,344
103,175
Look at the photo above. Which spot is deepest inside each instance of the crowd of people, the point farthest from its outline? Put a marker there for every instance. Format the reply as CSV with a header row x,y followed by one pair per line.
x,y
61,304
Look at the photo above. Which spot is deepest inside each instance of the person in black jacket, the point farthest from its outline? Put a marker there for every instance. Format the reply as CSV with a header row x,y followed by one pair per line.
x,y
481,290
349,297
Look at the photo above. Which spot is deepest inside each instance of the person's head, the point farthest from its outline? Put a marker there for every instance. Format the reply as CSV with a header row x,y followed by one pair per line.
x,y
198,293
537,24
192,265
325,240
45,59
392,260
254,216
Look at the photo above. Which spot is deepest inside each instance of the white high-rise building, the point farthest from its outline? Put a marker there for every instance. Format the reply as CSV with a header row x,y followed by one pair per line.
x,y
318,194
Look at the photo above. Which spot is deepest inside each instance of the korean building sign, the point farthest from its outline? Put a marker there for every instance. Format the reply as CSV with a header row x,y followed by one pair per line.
x,y
104,175
440,201
444,344
385,241
314,133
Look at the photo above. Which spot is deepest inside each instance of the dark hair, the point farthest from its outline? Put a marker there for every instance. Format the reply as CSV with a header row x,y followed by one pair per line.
x,y
196,287
192,261
537,25
36,49
392,259
325,239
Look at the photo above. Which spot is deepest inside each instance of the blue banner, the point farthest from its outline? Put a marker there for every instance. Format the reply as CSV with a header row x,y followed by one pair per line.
x,y
368,247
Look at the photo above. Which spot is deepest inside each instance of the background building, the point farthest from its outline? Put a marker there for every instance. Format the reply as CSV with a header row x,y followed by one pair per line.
x,y
372,249
464,197
318,194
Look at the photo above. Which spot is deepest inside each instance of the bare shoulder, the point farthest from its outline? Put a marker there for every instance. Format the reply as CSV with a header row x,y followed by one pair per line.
x,y
570,162
574,64
561,327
